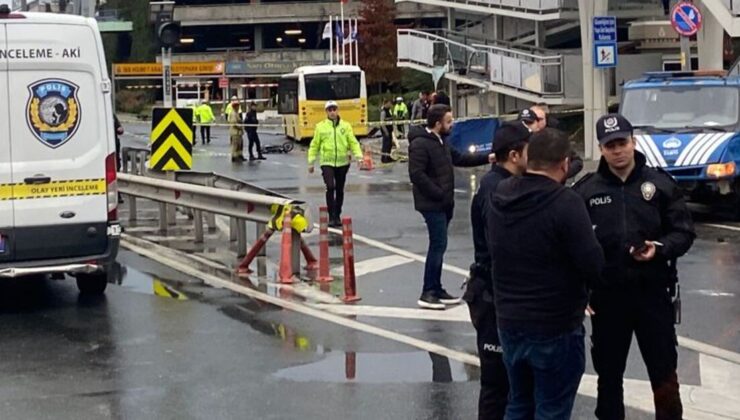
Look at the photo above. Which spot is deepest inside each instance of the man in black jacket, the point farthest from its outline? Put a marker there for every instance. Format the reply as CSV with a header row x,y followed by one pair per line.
x,y
510,147
254,140
642,222
544,255
432,174
537,118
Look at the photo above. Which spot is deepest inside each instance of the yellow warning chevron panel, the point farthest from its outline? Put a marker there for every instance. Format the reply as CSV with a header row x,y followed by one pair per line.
x,y
171,139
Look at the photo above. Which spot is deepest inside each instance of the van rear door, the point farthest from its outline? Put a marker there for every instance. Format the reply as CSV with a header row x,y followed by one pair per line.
x,y
6,179
59,135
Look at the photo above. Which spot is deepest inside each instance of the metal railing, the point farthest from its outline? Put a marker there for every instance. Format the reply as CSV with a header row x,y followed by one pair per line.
x,y
733,6
202,195
525,68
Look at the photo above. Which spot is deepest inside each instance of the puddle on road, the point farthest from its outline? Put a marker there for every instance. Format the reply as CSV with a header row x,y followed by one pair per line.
x,y
381,368
140,282
349,367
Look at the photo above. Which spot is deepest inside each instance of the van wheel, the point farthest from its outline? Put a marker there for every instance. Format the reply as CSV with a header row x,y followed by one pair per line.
x,y
92,284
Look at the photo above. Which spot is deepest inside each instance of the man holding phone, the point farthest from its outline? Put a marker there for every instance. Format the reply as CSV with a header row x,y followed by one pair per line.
x,y
641,221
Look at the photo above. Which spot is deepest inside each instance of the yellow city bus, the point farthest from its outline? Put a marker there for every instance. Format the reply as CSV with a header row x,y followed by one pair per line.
x,y
303,94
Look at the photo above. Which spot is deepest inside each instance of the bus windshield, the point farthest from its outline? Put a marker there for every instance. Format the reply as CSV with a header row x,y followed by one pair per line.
x,y
334,86
682,106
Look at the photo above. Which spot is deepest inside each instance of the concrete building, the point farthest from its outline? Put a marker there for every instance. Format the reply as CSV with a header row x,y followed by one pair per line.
x,y
260,40
496,56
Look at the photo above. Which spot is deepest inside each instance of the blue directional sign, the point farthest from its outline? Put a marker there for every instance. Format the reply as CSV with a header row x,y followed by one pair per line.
x,y
686,19
605,29
605,41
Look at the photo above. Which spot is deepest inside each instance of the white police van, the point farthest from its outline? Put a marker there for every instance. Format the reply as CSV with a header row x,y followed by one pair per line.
x,y
58,192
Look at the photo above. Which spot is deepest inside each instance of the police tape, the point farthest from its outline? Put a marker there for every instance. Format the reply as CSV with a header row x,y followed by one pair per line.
x,y
53,189
374,124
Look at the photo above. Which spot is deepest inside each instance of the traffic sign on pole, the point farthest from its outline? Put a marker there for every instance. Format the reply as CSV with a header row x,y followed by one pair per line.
x,y
686,19
605,41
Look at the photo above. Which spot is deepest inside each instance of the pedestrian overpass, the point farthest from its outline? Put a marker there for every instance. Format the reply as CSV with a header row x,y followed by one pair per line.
x,y
517,70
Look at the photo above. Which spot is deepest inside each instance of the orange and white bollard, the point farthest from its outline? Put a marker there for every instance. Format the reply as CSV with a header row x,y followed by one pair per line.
x,y
311,263
256,248
324,276
350,287
286,251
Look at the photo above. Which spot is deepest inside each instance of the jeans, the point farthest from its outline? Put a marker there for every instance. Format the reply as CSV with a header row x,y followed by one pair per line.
x,y
334,179
437,223
544,373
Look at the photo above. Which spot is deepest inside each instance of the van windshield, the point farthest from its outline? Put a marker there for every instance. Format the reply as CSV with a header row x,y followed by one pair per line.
x,y
681,106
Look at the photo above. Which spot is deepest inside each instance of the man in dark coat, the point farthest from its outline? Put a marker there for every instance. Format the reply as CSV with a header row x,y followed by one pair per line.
x,y
432,174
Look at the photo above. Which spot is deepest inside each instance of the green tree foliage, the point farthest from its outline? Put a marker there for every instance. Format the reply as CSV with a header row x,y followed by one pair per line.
x,y
143,41
378,49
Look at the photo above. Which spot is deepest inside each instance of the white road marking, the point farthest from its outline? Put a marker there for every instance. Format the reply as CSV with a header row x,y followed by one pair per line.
x,y
374,264
715,399
397,251
682,341
458,313
214,281
711,293
726,227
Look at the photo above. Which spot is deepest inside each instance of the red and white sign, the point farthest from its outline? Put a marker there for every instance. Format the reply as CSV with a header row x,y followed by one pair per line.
x,y
223,82
686,19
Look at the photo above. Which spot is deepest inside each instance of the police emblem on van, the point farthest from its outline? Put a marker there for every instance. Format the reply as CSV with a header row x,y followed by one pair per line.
x,y
672,143
53,111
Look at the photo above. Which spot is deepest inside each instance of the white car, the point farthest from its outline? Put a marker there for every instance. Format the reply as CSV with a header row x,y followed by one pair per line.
x,y
58,192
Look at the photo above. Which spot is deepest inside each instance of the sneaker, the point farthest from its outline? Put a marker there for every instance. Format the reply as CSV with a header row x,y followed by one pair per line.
x,y
447,299
429,300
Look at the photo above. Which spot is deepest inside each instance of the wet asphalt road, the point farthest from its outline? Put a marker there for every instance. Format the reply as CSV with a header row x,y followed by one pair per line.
x,y
191,351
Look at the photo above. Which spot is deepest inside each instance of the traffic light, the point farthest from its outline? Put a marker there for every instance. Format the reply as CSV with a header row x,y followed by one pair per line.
x,y
169,33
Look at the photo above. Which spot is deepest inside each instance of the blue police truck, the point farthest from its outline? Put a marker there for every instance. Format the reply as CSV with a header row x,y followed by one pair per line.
x,y
688,123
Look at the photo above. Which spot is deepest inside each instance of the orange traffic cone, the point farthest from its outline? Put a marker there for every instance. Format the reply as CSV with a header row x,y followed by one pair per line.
x,y
367,160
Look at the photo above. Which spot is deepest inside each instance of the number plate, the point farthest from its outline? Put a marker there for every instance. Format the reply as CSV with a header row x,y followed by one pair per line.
x,y
114,230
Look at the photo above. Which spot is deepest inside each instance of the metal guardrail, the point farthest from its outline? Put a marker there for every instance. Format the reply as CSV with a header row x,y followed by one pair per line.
x,y
202,195
528,69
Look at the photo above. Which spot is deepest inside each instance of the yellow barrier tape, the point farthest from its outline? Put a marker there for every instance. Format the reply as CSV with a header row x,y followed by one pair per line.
x,y
68,188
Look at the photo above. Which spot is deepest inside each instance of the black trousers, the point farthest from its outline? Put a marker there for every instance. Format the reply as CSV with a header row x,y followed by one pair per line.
x,y
205,134
494,389
334,179
254,140
387,144
645,310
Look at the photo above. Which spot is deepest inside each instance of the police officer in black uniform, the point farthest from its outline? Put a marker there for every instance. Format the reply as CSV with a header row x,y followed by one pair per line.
x,y
641,220
509,145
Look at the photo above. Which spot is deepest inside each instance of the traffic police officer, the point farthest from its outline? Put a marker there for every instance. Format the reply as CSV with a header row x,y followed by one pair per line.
x,y
641,220
509,145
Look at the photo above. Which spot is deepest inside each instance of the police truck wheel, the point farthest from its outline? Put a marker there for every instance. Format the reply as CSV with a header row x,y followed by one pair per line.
x,y
92,284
